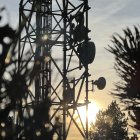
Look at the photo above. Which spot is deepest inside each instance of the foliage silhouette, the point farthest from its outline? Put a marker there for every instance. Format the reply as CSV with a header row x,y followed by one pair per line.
x,y
134,137
126,51
28,121
110,124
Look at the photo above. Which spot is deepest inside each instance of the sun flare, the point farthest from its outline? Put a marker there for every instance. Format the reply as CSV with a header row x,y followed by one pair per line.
x,y
92,111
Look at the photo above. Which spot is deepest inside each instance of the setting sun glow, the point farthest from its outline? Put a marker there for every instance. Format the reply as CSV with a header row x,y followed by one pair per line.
x,y
92,111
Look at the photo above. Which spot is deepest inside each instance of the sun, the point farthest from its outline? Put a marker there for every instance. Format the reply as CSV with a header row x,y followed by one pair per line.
x,y
93,109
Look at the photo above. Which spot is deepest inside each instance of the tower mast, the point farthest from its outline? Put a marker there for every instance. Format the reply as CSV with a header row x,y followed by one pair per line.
x,y
56,35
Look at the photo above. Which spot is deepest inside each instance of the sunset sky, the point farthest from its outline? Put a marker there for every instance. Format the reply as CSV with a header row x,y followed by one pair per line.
x,y
105,18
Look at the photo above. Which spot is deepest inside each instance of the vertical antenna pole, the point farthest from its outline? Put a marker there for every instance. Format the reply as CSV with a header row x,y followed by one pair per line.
x,y
64,69
86,70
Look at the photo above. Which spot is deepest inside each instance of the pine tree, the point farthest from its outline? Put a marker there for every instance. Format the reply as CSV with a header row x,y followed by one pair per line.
x,y
110,124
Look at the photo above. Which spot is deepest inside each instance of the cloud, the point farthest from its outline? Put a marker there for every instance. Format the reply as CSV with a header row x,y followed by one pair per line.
x,y
110,16
104,9
130,11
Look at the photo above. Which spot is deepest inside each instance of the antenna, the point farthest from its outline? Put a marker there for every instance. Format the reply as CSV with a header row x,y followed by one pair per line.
x,y
100,83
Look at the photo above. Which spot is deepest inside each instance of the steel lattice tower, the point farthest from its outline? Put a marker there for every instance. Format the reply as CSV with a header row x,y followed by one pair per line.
x,y
56,34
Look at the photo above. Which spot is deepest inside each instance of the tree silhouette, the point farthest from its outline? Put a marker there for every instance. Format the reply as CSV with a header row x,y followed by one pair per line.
x,y
110,124
134,137
126,51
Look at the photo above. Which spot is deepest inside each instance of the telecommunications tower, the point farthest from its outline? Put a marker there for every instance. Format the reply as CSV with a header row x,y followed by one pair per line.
x,y
55,32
